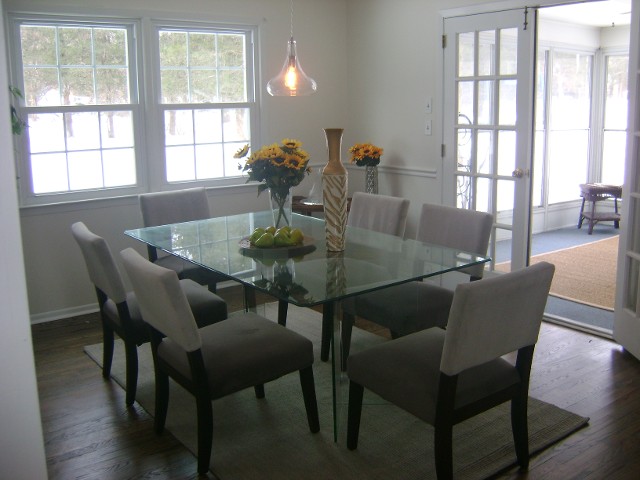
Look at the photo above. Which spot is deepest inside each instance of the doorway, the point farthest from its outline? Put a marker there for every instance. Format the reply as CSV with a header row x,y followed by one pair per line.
x,y
581,105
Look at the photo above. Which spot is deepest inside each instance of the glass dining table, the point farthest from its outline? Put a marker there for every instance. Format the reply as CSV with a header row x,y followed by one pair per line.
x,y
306,275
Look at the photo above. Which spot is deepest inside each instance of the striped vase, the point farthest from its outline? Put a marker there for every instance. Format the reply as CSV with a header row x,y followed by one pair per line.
x,y
334,189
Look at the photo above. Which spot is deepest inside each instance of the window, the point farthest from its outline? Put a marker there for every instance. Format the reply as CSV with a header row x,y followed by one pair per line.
x,y
614,134
102,123
204,102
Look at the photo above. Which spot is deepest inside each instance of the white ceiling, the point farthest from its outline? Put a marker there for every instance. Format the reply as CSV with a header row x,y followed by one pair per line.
x,y
595,14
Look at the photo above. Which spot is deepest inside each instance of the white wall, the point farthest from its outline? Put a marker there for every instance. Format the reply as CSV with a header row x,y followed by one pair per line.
x,y
21,446
57,281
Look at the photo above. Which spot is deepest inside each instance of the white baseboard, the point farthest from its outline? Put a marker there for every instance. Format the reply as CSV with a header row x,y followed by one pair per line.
x,y
64,313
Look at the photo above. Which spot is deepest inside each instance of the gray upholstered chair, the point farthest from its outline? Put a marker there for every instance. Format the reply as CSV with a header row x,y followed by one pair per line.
x,y
119,311
380,213
218,360
162,208
415,306
448,376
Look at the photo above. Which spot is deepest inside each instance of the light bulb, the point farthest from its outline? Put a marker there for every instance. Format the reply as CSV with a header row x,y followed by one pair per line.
x,y
291,81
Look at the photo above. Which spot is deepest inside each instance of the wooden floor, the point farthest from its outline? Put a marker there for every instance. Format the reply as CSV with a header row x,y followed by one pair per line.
x,y
89,434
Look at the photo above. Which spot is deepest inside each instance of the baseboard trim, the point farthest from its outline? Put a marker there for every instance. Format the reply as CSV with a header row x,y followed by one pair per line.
x,y
63,313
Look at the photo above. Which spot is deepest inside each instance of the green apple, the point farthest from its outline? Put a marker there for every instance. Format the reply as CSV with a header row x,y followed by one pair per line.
x,y
282,239
265,241
257,233
297,237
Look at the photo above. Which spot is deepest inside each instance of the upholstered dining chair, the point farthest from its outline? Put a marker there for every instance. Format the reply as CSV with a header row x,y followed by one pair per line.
x,y
380,213
119,311
447,376
215,361
414,306
162,208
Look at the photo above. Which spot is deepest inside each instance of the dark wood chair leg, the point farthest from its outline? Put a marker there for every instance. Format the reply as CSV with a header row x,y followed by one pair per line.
x,y
205,432
131,352
309,394
581,212
346,330
520,430
162,400
259,389
107,350
356,392
327,330
443,451
283,308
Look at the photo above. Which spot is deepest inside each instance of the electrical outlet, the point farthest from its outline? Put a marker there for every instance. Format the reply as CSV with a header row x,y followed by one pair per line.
x,y
427,127
428,107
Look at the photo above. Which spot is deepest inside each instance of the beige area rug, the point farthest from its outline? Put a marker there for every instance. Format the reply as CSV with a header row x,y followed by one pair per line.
x,y
269,438
585,274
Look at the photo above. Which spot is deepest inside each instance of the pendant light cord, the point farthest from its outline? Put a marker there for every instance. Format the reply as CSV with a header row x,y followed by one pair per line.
x,y
291,5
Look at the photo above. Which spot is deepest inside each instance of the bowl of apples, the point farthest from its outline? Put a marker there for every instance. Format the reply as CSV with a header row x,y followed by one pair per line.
x,y
285,241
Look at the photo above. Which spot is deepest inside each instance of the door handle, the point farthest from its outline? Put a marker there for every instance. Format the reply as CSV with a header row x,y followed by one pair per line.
x,y
519,173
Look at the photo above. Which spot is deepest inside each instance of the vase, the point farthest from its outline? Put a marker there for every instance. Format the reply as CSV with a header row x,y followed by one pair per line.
x,y
371,179
334,191
280,199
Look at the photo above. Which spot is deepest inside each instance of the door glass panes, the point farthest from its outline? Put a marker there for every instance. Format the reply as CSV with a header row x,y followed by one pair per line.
x,y
465,136
506,152
485,102
485,151
484,195
507,101
464,191
486,52
508,51
505,199
466,54
466,100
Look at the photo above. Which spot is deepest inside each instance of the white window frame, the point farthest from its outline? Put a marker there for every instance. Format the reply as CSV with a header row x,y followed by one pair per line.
x,y
145,104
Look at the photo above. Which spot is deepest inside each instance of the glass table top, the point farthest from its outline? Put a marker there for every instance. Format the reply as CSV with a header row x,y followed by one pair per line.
x,y
307,276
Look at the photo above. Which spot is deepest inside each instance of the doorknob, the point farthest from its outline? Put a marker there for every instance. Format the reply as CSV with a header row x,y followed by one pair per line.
x,y
519,173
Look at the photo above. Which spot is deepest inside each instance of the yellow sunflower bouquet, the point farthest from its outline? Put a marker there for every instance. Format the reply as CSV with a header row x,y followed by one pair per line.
x,y
278,167
365,154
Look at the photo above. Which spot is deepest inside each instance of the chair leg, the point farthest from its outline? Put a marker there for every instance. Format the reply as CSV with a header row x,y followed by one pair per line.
x,y
347,328
356,392
131,352
283,308
310,401
162,399
259,389
205,432
107,350
249,299
443,451
520,430
327,327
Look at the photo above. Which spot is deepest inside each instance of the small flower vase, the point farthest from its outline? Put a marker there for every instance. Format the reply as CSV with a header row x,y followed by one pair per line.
x,y
371,179
334,191
280,199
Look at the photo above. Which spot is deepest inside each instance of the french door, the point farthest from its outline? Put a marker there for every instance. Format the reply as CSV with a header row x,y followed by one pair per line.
x,y
488,122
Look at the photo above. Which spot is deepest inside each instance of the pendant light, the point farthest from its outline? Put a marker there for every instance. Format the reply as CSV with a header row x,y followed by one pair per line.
x,y
291,81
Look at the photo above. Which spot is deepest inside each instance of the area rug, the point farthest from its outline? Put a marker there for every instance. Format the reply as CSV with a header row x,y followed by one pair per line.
x,y
585,274
269,438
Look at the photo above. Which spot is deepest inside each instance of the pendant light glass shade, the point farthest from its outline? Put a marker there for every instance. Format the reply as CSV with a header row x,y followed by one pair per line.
x,y
291,81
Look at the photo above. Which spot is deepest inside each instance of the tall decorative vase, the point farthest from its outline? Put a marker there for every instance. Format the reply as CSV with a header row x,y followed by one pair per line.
x,y
281,206
371,179
334,189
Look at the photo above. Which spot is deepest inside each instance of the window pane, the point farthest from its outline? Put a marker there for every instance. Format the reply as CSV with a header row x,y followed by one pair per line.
x,y
567,164
208,126
236,124
509,51
82,131
613,156
119,167
465,99
74,45
485,151
46,132
112,86
116,129
38,45
110,46
507,92
209,162
570,90
485,102
49,173
77,86
506,152
178,127
180,164
616,101
85,170
466,46
486,52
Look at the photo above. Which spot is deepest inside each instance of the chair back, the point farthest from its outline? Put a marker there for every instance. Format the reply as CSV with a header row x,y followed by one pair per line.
x,y
103,271
162,208
457,228
492,317
380,213
162,302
